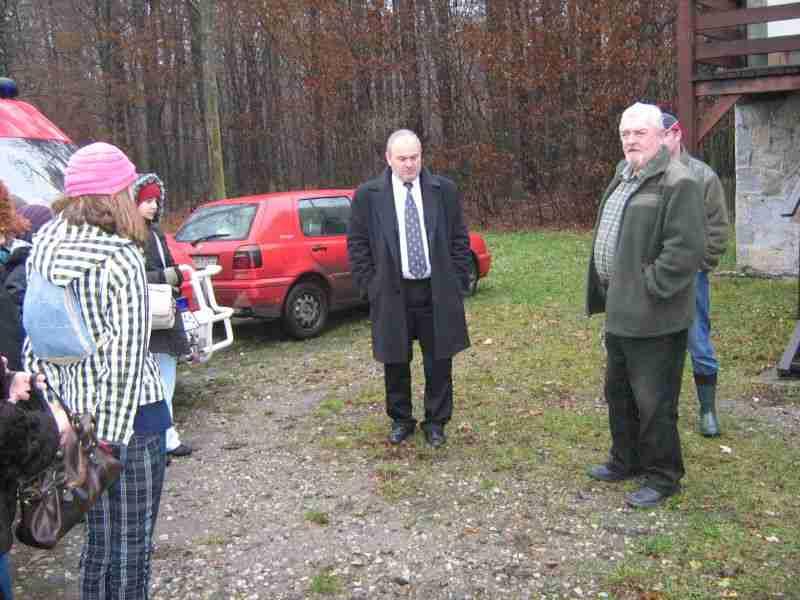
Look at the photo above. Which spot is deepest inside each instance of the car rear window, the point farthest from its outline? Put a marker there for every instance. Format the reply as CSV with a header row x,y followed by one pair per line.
x,y
224,222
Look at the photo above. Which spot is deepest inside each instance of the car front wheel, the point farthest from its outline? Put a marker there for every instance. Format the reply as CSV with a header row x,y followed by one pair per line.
x,y
306,310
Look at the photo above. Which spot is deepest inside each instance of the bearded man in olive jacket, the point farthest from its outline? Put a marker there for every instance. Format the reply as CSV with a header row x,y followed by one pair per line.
x,y
648,244
409,253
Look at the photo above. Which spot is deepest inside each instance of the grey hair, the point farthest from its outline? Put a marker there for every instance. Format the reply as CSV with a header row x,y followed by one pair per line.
x,y
649,113
398,134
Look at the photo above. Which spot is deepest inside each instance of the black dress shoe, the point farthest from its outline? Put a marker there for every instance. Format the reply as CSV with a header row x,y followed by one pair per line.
x,y
645,497
180,451
606,473
435,437
399,432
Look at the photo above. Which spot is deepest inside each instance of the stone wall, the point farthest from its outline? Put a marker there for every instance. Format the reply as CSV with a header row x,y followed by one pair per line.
x,y
767,182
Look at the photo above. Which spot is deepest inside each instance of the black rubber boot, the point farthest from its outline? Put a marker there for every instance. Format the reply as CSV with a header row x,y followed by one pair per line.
x,y
707,394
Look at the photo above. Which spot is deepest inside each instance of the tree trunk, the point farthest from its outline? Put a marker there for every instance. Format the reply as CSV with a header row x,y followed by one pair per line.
x,y
497,25
8,11
113,70
142,59
318,118
438,13
412,116
207,48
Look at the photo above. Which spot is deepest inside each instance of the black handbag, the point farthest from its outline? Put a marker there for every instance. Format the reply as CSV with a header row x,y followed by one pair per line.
x,y
53,501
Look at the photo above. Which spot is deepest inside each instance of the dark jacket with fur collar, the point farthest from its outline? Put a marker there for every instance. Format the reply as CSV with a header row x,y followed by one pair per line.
x,y
28,443
164,341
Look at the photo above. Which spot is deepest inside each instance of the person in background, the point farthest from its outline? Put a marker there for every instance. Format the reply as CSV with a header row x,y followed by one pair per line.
x,y
16,280
409,250
12,225
705,365
94,247
30,431
37,215
647,246
166,345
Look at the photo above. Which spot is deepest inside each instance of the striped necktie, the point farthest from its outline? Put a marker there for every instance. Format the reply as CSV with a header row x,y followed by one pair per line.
x,y
414,246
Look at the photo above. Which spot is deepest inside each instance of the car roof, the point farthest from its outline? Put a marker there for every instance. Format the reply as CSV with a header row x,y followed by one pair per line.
x,y
280,196
19,119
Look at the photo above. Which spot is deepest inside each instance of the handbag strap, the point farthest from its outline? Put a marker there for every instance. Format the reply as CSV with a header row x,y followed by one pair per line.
x,y
79,427
160,250
58,397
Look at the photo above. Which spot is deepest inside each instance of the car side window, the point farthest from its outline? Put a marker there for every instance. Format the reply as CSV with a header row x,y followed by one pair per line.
x,y
324,216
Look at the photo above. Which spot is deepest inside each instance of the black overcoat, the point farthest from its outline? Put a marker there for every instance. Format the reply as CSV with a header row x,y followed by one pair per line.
x,y
373,245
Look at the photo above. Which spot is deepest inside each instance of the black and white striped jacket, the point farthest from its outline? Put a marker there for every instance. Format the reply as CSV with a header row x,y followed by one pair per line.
x,y
108,276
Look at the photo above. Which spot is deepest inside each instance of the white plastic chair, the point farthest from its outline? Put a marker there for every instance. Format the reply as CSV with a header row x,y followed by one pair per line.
x,y
208,311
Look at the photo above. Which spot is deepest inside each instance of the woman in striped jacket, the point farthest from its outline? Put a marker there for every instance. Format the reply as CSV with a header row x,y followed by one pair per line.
x,y
94,247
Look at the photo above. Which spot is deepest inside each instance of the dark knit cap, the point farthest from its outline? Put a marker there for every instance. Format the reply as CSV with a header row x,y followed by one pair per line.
x,y
668,120
38,215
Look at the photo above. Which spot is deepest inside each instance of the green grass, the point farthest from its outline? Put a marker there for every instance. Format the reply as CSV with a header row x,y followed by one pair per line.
x,y
529,407
325,583
528,394
317,516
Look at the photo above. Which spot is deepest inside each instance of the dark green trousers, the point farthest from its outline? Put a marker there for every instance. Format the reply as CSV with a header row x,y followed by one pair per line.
x,y
643,384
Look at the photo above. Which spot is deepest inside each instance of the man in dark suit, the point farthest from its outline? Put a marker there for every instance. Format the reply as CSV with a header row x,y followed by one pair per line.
x,y
409,253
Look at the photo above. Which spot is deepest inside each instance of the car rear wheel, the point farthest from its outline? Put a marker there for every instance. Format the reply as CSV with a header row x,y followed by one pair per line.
x,y
473,277
306,310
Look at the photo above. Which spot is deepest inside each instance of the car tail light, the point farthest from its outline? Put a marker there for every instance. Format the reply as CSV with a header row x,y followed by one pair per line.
x,y
247,257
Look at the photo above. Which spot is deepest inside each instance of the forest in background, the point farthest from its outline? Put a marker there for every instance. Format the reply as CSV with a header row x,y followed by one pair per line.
x,y
517,100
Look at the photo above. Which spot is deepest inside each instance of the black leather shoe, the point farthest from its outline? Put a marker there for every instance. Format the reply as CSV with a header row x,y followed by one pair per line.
x,y
606,473
400,432
645,497
180,451
435,437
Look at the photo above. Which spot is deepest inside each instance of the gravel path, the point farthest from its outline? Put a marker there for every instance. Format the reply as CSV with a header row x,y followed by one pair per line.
x,y
244,517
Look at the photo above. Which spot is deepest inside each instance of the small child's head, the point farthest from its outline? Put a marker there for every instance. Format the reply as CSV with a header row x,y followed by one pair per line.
x,y
12,225
149,193
98,182
38,215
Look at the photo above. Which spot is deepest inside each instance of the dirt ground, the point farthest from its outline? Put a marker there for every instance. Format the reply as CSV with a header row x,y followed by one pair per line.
x,y
243,518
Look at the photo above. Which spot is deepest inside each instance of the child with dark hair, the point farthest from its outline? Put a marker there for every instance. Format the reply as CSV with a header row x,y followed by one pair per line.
x,y
167,345
29,439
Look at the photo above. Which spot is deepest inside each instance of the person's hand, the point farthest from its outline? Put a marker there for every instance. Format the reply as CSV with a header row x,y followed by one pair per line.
x,y
62,420
172,276
39,381
20,388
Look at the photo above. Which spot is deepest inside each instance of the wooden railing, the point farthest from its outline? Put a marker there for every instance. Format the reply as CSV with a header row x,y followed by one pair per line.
x,y
714,32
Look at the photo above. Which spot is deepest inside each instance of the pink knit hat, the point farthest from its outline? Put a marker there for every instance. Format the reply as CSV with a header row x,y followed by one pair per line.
x,y
98,169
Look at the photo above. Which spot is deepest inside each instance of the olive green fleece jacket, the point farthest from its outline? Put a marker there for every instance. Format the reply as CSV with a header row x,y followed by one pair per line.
x,y
659,250
716,213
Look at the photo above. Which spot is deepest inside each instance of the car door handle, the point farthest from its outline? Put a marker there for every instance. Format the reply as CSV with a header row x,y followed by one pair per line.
x,y
318,248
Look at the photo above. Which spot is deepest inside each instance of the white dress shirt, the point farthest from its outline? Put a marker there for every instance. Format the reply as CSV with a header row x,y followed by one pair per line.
x,y
400,191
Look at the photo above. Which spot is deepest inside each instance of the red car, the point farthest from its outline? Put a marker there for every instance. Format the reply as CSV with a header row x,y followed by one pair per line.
x,y
283,255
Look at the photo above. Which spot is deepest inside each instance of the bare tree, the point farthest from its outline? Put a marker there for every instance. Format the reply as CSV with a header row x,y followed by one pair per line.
x,y
204,11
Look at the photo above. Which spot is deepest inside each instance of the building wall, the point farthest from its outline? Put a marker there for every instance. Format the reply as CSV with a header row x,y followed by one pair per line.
x,y
767,182
780,28
772,29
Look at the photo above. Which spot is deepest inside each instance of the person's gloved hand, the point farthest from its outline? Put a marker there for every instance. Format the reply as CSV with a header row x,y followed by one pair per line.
x,y
173,276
